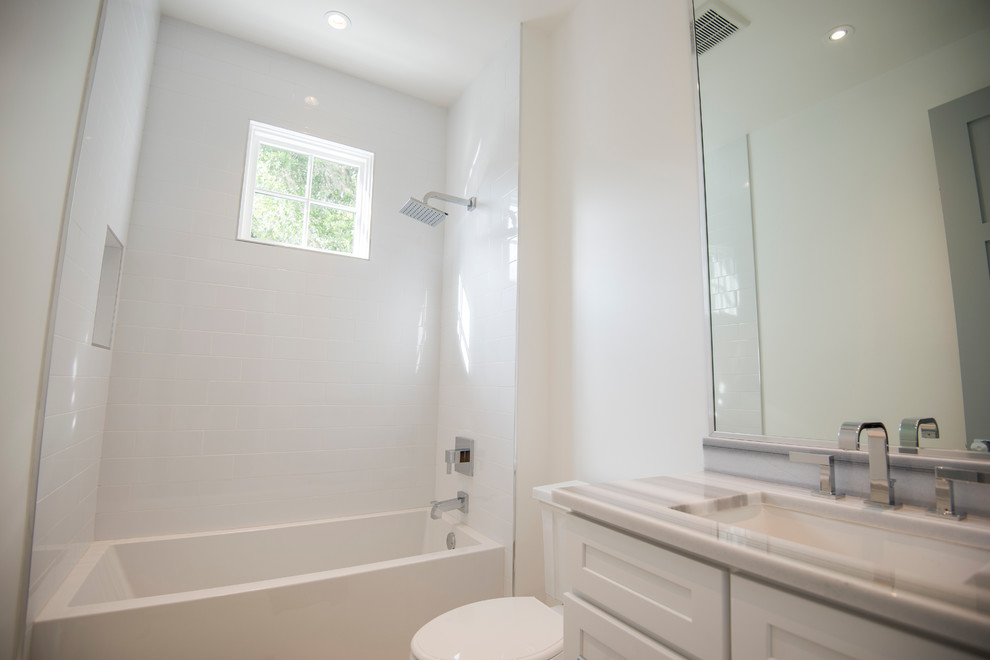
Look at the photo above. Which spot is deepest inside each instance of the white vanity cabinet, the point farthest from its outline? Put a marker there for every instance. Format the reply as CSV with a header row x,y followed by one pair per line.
x,y
622,585
633,600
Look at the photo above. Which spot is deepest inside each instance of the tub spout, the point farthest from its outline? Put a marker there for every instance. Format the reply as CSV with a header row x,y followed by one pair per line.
x,y
459,502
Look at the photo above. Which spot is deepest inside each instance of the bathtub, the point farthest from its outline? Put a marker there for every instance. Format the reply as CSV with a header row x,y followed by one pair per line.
x,y
353,588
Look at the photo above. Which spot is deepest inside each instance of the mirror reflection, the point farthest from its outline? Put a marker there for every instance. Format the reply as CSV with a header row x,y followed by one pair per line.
x,y
829,251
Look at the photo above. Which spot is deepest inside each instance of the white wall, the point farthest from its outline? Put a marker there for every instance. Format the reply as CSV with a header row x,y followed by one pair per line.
x,y
42,91
253,384
878,221
627,293
609,140
79,374
541,457
478,348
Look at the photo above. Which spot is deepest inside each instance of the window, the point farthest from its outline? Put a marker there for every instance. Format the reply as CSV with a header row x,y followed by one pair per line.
x,y
305,192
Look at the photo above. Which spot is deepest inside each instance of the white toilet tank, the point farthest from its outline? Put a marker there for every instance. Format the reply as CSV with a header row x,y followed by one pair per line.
x,y
553,517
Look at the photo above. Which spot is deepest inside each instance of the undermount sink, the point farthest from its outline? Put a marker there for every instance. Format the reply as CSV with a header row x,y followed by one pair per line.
x,y
906,544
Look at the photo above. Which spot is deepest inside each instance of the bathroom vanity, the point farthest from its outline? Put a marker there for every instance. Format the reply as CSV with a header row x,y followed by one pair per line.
x,y
715,566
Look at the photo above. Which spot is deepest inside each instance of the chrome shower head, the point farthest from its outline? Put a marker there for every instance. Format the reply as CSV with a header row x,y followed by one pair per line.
x,y
417,210
426,214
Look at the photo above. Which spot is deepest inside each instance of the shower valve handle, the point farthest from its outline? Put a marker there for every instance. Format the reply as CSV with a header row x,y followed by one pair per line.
x,y
452,456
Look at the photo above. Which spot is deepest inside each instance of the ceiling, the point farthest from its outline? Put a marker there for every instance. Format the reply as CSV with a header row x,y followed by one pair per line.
x,y
430,49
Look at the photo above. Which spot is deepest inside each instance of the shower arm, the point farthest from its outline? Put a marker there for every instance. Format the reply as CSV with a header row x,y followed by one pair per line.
x,y
469,203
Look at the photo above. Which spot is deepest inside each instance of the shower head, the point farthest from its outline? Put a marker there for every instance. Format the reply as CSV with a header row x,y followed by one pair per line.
x,y
427,214
417,210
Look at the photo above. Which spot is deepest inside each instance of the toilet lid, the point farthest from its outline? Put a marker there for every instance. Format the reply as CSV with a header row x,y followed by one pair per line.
x,y
499,629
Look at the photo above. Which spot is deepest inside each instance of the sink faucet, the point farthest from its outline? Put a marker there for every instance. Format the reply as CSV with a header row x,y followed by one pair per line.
x,y
849,433
459,502
881,485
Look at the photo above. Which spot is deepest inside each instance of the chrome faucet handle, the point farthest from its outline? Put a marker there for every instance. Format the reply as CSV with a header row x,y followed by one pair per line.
x,y
945,480
456,456
460,457
826,471
849,433
914,428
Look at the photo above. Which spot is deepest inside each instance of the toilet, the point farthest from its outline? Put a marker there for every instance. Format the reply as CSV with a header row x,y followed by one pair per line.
x,y
516,628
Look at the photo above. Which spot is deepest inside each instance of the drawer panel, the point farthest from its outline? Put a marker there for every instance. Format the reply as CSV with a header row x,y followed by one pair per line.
x,y
677,600
591,634
773,624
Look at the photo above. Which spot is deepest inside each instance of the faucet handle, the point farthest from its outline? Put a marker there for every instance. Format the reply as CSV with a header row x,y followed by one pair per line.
x,y
454,457
945,481
460,458
826,471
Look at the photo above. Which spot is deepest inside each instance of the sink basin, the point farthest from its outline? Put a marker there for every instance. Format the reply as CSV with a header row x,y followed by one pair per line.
x,y
904,544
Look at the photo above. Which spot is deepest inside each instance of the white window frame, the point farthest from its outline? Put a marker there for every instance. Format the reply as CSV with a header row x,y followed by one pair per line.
x,y
282,138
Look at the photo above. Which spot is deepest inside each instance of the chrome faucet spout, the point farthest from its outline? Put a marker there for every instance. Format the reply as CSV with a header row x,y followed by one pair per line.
x,y
914,428
439,506
849,433
881,485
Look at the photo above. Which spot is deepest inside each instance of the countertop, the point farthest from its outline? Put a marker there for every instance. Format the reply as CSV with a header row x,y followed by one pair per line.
x,y
911,599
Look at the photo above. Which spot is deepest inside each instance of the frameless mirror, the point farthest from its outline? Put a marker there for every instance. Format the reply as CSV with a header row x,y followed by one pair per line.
x,y
829,254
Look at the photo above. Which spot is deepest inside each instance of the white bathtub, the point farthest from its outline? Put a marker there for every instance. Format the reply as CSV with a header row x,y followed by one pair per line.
x,y
344,589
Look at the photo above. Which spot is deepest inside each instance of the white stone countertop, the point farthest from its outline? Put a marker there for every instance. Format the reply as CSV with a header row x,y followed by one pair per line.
x,y
929,599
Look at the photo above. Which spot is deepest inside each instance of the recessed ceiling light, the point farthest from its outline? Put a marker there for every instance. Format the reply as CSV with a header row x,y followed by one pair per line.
x,y
337,20
840,32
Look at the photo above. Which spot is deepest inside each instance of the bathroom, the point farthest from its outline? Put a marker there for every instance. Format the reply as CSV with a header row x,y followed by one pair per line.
x,y
548,340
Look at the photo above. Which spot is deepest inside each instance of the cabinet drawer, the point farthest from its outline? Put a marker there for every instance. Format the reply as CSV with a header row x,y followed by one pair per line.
x,y
678,600
767,623
591,634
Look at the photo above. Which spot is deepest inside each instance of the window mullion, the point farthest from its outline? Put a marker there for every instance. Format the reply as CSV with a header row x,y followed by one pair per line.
x,y
286,196
339,207
309,194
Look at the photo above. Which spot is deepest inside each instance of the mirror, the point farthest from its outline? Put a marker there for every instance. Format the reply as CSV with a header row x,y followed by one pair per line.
x,y
830,283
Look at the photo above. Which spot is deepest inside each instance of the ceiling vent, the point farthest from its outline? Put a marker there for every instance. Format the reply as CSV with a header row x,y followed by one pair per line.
x,y
714,24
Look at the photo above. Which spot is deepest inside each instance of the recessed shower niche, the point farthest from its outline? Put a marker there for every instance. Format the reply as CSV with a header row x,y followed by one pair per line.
x,y
106,298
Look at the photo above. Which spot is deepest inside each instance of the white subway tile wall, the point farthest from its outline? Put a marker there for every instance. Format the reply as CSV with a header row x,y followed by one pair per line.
x,y
732,272
478,347
79,374
254,384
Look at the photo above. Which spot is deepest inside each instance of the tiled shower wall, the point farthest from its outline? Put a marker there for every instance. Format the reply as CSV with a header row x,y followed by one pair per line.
x,y
732,272
79,373
253,384
478,351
